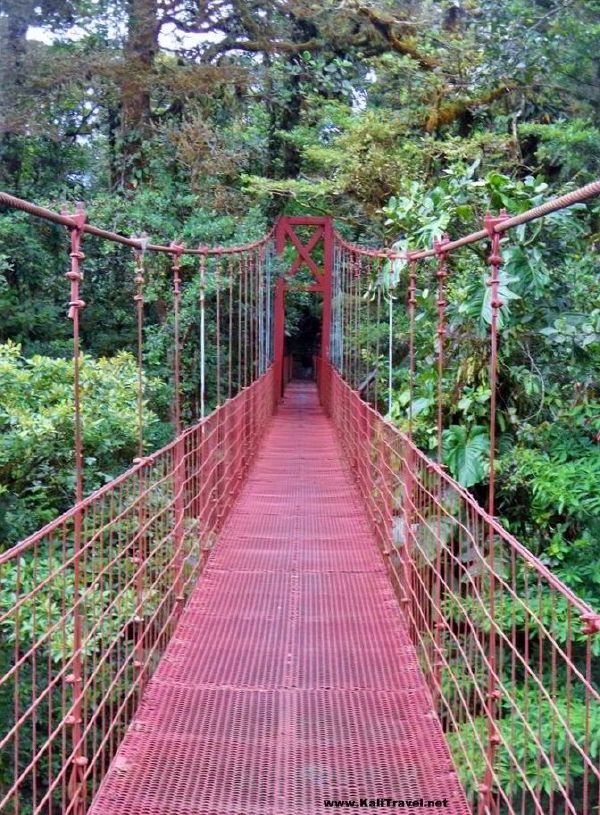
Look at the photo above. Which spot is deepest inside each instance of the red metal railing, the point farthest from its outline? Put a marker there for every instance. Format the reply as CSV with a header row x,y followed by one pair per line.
x,y
94,597
495,633
511,654
91,600
143,541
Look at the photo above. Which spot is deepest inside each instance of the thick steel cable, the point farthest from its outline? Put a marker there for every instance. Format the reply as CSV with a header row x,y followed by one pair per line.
x,y
577,196
134,243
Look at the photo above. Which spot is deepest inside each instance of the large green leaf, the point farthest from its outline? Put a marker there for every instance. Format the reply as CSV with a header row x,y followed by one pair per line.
x,y
466,451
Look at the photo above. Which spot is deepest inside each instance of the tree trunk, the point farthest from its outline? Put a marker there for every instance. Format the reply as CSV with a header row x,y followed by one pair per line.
x,y
13,46
284,157
140,50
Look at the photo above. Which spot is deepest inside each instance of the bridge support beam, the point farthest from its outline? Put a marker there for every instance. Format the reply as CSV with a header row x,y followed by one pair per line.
x,y
278,338
321,268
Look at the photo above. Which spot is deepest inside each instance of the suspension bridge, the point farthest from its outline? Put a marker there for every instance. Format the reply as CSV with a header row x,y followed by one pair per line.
x,y
290,607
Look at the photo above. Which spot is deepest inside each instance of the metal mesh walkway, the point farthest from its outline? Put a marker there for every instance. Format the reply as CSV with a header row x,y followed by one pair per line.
x,y
290,678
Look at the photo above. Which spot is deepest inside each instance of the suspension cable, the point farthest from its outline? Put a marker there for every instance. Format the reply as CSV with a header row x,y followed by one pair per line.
x,y
441,274
412,301
139,280
239,325
217,275
76,304
230,329
202,335
176,250
390,345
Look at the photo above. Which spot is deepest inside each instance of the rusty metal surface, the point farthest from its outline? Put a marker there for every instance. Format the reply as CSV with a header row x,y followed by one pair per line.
x,y
290,678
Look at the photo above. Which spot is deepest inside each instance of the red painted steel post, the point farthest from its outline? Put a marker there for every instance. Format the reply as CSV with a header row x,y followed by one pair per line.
x,y
178,449
202,487
139,558
590,626
279,315
278,339
408,459
438,622
495,261
441,274
326,285
76,784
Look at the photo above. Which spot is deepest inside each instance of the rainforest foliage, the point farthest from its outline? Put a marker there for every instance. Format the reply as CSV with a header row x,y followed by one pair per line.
x,y
201,122
405,119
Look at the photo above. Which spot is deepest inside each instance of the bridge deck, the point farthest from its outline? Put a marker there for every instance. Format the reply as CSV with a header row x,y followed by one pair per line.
x,y
290,678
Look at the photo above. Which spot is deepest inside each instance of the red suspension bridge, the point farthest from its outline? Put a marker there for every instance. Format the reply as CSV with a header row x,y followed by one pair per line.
x,y
290,603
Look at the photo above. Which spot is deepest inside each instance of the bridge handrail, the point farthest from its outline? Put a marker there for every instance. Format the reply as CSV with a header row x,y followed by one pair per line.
x,y
140,244
490,521
143,540
488,672
554,205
